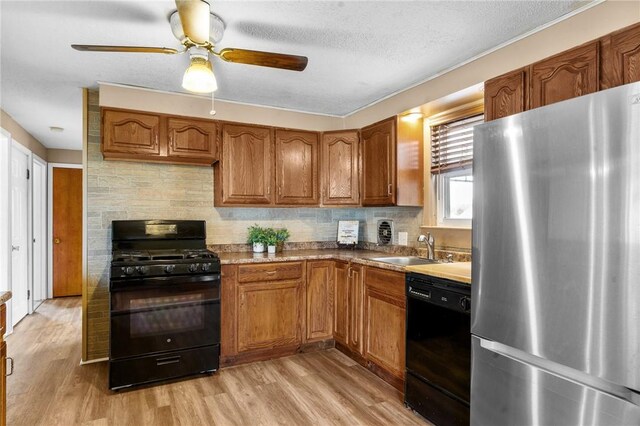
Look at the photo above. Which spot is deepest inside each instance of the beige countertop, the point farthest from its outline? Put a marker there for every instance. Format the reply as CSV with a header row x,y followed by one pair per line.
x,y
457,271
4,296
356,256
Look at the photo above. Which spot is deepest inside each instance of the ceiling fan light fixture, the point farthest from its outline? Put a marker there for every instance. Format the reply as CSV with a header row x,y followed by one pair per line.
x,y
199,77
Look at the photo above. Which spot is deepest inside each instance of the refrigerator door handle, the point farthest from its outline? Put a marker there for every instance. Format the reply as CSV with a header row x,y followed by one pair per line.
x,y
567,373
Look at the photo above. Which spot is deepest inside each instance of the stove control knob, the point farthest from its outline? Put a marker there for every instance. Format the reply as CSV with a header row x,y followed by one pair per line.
x,y
128,270
465,303
206,267
193,267
169,268
143,270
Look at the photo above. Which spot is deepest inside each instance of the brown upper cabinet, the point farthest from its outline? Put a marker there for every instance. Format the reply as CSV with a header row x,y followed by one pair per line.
x,y
296,167
244,174
340,168
621,57
142,136
506,95
610,61
192,138
126,132
567,75
379,163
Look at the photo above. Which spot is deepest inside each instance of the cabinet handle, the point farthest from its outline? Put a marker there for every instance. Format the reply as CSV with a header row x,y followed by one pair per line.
x,y
279,190
155,144
11,365
389,189
270,272
171,141
269,189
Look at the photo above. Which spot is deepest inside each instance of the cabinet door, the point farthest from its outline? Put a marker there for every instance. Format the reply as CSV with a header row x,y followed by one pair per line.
x,y
356,295
127,132
567,75
621,57
384,313
269,315
341,302
379,164
246,165
296,167
319,294
505,95
191,138
340,168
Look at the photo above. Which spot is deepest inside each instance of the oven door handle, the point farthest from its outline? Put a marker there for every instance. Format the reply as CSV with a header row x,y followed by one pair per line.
x,y
168,360
161,282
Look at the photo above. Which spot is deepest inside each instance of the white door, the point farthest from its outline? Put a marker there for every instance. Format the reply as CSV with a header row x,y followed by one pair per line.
x,y
19,234
39,181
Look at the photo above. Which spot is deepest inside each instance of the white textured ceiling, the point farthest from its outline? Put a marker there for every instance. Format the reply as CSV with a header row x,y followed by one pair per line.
x,y
359,51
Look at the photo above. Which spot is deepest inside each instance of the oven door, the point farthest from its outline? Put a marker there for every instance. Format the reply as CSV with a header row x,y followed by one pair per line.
x,y
154,315
439,345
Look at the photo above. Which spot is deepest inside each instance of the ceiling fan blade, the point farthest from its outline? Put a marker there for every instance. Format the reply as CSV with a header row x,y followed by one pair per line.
x,y
264,59
127,49
194,15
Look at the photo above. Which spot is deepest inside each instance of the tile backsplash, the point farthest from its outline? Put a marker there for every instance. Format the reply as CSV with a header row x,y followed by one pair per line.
x,y
129,190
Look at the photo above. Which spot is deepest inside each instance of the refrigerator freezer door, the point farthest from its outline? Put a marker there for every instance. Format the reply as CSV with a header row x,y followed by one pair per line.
x,y
556,233
506,391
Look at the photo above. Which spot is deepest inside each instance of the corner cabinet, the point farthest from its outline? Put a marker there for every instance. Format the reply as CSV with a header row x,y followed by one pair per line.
x,y
379,163
159,138
340,168
296,167
355,297
244,174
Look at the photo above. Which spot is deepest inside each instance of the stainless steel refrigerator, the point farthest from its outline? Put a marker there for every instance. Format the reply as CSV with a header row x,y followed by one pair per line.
x,y
556,264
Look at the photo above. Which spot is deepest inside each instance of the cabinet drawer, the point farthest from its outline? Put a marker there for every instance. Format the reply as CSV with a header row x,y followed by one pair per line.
x,y
3,320
269,272
385,282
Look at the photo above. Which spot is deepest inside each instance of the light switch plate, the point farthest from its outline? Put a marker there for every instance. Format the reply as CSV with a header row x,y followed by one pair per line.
x,y
403,238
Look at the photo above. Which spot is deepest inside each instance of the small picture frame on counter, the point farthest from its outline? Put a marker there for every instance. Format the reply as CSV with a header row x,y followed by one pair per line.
x,y
348,231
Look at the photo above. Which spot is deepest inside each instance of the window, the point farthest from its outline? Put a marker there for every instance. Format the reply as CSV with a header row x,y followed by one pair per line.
x,y
451,167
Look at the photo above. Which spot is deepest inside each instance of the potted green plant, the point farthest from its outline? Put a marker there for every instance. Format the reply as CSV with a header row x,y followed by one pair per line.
x,y
272,240
257,237
281,235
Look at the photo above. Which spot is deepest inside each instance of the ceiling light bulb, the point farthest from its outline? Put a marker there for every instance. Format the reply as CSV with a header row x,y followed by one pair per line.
x,y
412,116
199,76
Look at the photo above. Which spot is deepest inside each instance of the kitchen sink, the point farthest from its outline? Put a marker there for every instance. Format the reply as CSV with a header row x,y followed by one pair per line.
x,y
404,260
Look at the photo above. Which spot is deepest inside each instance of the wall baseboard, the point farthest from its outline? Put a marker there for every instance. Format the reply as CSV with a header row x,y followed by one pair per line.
x,y
93,361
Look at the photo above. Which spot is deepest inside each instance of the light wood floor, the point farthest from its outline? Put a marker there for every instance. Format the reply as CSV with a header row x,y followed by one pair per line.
x,y
50,387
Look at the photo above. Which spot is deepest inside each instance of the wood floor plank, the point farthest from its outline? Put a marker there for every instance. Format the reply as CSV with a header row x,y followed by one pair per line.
x,y
50,387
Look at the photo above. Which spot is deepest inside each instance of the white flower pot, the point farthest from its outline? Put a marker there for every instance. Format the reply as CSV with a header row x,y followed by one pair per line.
x,y
258,247
271,249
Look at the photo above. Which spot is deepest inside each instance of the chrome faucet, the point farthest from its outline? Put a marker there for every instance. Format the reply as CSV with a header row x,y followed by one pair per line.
x,y
430,242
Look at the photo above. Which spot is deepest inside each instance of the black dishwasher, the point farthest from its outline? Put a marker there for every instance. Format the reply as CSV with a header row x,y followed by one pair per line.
x,y
438,349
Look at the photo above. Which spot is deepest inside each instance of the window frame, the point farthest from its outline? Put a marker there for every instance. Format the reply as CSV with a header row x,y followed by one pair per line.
x,y
441,194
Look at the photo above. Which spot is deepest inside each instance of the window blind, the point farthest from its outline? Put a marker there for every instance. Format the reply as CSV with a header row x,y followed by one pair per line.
x,y
452,144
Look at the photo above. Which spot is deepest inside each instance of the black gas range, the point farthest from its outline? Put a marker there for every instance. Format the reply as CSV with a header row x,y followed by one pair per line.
x,y
164,302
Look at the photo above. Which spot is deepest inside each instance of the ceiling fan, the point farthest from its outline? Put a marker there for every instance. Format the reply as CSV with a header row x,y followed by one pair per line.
x,y
198,30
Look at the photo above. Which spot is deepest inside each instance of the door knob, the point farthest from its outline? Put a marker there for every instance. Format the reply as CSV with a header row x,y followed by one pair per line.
x,y
56,241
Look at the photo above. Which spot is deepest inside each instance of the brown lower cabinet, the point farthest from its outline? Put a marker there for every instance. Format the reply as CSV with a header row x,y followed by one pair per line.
x,y
319,300
384,325
277,309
